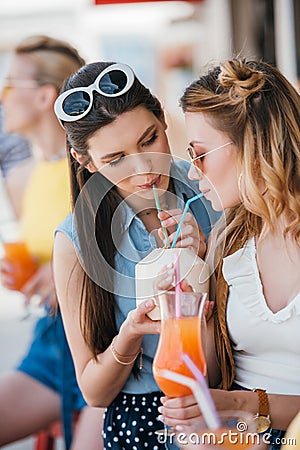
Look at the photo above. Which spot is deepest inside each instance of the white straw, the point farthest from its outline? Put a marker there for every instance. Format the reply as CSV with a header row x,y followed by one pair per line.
x,y
212,420
203,299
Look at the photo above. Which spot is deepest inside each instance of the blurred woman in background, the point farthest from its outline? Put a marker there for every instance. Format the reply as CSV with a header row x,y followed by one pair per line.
x,y
43,389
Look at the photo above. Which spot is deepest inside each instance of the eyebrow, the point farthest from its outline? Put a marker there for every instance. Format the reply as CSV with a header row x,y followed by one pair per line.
x,y
146,132
111,155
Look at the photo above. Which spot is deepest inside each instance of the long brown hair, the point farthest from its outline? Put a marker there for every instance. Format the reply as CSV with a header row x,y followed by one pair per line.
x,y
95,200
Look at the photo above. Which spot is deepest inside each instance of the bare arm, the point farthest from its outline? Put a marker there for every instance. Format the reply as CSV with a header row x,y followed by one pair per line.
x,y
101,380
283,408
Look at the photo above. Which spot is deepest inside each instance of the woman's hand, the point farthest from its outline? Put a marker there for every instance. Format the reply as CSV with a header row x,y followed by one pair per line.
x,y
138,323
6,274
41,284
166,282
191,235
183,413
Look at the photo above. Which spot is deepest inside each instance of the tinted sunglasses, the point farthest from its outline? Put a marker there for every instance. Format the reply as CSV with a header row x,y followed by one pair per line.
x,y
11,83
194,159
75,103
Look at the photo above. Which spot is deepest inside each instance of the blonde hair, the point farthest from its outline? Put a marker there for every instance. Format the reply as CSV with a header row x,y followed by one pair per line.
x,y
53,60
256,106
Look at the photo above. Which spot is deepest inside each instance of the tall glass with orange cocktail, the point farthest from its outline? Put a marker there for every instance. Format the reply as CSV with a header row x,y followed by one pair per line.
x,y
180,333
22,263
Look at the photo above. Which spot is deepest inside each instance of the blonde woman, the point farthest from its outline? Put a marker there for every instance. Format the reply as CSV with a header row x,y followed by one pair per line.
x,y
43,387
243,126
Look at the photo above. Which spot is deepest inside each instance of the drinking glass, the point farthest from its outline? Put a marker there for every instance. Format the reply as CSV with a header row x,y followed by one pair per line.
x,y
23,264
23,267
181,316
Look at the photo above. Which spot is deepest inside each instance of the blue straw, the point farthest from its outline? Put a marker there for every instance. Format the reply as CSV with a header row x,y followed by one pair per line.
x,y
187,205
157,202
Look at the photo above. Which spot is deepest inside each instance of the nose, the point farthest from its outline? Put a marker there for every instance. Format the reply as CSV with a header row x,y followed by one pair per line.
x,y
142,163
194,173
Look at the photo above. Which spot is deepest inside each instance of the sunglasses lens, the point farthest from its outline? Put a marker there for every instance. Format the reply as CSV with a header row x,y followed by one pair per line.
x,y
190,153
113,82
76,103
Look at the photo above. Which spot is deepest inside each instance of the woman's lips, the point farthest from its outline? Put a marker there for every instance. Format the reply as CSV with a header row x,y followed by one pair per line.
x,y
149,185
205,191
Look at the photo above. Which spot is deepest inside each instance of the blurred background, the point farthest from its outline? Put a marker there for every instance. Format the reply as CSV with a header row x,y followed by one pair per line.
x,y
167,43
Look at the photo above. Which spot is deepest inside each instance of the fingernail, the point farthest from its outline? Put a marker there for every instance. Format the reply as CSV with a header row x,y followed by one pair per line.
x,y
149,303
160,418
160,409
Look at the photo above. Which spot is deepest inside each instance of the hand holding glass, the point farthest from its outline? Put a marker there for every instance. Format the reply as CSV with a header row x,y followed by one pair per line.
x,y
23,266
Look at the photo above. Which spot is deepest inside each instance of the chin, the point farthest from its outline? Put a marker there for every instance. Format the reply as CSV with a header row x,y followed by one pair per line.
x,y
217,206
147,194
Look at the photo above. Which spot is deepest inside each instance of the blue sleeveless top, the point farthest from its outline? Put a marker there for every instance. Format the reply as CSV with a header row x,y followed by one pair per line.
x,y
136,243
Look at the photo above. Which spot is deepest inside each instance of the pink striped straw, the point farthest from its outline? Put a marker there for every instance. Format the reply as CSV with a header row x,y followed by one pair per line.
x,y
207,405
177,288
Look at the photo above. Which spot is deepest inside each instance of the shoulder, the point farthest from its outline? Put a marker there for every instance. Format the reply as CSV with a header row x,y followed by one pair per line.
x,y
13,151
67,226
65,242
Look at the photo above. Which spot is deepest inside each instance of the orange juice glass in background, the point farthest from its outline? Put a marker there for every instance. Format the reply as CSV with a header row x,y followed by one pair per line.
x,y
23,264
179,335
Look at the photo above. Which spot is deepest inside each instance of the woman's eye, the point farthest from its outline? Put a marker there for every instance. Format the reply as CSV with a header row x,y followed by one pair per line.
x,y
116,161
151,140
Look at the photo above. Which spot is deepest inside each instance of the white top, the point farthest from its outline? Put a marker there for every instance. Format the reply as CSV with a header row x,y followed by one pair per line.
x,y
266,345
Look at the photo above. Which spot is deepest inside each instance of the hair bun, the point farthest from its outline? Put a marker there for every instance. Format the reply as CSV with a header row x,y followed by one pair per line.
x,y
240,79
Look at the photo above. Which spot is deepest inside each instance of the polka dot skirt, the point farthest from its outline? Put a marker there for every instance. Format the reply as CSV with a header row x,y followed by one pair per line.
x,y
130,422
